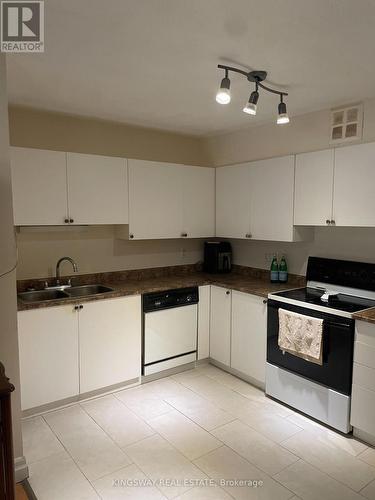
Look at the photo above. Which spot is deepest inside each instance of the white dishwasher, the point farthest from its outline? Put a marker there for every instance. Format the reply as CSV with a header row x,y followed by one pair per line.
x,y
170,329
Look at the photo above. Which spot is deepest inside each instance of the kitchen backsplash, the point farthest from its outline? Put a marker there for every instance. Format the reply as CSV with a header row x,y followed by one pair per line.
x,y
95,249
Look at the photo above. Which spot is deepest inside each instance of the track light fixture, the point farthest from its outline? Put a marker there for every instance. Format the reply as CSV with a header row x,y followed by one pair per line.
x,y
223,94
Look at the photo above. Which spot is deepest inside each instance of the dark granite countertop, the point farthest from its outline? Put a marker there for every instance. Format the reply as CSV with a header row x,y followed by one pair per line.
x,y
366,315
242,279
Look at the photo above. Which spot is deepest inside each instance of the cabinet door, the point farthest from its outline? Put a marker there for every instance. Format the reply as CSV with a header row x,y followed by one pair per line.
x,y
313,195
198,194
272,193
233,201
48,347
155,200
353,198
220,328
204,322
249,335
109,342
39,187
97,189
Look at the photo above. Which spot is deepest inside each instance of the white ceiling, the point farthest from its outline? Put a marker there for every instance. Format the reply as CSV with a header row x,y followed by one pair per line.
x,y
153,62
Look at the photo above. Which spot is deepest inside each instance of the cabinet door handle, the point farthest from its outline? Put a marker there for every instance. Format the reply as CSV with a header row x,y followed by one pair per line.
x,y
333,222
248,235
328,222
81,306
66,221
71,221
184,235
265,301
76,308
131,236
228,292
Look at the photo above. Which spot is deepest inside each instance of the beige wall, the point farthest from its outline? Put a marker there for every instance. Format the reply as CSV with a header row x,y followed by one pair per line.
x,y
309,132
332,242
46,130
96,249
8,301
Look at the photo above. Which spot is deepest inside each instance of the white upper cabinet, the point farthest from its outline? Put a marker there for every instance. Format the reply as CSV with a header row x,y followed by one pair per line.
x,y
313,197
154,200
198,192
39,187
54,188
271,200
167,200
255,200
353,198
233,201
97,189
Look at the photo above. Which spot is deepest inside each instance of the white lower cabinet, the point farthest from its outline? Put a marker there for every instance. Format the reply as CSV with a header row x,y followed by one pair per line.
x,y
48,349
221,307
249,335
109,342
204,322
362,416
65,352
238,332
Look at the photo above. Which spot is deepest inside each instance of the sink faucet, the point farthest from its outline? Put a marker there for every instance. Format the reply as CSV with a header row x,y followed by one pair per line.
x,y
59,262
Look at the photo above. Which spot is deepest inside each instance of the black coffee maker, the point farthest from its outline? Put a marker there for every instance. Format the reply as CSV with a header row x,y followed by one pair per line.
x,y
217,257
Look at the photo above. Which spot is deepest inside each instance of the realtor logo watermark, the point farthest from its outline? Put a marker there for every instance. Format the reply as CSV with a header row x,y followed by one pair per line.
x,y
22,26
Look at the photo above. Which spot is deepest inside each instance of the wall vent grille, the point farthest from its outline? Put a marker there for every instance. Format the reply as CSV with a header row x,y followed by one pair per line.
x,y
346,124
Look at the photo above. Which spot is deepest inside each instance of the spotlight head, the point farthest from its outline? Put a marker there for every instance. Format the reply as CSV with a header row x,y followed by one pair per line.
x,y
223,94
282,114
251,105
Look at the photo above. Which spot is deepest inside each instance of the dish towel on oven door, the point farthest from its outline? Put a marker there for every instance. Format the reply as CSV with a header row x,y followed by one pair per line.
x,y
301,336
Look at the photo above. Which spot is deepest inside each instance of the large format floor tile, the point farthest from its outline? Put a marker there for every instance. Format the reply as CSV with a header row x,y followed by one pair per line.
x,y
200,410
225,466
189,436
143,402
328,436
369,491
257,449
311,484
269,424
58,478
338,464
121,424
185,435
90,447
38,440
129,483
161,462
205,493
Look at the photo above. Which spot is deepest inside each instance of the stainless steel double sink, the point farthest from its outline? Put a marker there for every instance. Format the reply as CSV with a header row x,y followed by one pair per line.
x,y
66,293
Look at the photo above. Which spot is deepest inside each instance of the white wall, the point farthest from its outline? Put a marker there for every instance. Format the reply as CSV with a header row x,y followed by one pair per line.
x,y
95,249
8,301
309,132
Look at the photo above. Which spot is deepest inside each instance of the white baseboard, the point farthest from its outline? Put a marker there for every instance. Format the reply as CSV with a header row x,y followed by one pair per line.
x,y
21,470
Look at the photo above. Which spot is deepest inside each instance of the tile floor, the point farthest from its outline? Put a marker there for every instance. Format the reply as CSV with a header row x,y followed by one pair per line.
x,y
192,436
